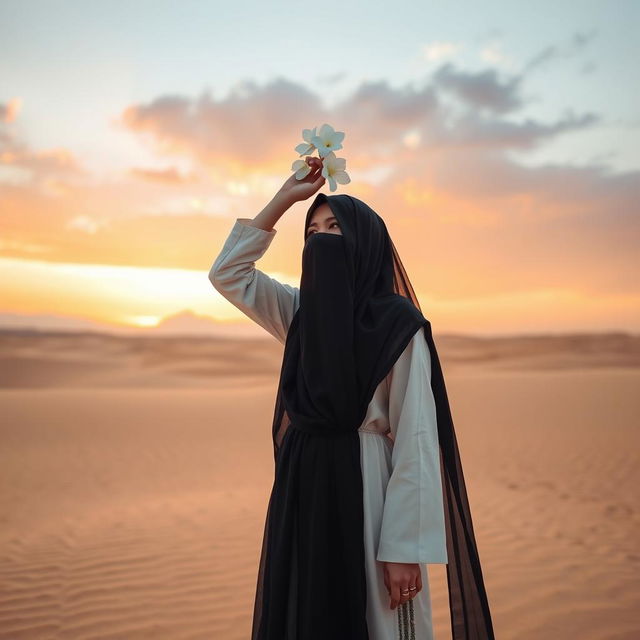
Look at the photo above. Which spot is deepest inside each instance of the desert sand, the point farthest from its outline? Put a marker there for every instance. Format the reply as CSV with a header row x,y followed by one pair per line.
x,y
136,472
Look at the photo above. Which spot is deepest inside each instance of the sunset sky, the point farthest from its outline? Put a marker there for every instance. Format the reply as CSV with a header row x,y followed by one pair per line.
x,y
500,141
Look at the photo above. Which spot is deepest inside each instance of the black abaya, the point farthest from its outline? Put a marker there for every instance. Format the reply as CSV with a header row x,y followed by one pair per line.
x,y
357,314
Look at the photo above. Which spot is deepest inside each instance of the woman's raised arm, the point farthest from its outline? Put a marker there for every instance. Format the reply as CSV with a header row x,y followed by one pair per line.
x,y
269,303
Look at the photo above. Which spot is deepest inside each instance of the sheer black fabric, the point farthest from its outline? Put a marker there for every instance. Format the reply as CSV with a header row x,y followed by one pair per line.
x,y
357,314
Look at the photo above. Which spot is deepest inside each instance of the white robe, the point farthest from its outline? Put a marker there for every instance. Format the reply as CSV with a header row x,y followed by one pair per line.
x,y
403,501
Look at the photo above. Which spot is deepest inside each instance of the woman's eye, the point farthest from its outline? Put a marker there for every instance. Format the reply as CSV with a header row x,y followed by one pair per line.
x,y
312,232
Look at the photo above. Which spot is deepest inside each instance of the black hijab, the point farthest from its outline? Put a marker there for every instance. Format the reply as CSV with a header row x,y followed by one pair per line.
x,y
357,314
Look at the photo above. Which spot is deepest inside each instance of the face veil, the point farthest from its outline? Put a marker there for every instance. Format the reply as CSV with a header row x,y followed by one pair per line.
x,y
357,313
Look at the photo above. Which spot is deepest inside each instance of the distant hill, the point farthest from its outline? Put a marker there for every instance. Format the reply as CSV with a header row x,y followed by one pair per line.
x,y
183,353
183,323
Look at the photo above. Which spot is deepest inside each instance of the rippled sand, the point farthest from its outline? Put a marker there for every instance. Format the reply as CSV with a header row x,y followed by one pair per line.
x,y
135,475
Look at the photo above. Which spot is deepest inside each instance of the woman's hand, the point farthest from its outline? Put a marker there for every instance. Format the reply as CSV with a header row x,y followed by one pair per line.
x,y
294,190
398,577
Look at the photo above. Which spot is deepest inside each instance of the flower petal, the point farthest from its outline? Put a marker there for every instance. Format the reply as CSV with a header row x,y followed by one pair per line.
x,y
303,170
308,133
340,163
304,149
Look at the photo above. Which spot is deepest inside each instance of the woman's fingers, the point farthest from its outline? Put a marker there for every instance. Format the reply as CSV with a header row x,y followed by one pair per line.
x,y
399,594
399,581
314,163
319,181
315,177
395,595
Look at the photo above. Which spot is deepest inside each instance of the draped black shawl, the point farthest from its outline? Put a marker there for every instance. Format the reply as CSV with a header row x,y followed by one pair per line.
x,y
357,313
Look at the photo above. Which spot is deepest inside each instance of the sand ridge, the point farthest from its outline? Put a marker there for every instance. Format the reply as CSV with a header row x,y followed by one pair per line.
x,y
135,478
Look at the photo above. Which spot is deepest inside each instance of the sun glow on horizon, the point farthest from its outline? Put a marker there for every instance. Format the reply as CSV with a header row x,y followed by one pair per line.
x,y
113,294
145,321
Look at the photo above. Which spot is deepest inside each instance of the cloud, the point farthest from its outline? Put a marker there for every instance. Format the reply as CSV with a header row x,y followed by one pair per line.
x,y
482,90
86,224
436,51
575,228
170,175
435,160
252,125
576,44
493,54
332,78
473,131
51,170
9,111
256,127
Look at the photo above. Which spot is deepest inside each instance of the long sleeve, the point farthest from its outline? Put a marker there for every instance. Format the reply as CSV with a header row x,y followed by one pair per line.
x,y
413,524
269,303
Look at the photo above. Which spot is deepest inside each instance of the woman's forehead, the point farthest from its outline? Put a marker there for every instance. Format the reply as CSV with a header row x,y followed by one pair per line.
x,y
321,212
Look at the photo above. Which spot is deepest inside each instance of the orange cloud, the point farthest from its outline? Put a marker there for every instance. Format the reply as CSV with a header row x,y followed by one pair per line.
x,y
9,112
48,170
170,175
471,224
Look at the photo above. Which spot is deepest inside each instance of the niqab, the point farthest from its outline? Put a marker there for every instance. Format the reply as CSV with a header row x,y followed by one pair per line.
x,y
357,314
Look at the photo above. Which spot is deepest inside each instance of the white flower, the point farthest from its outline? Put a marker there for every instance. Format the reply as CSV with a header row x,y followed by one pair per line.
x,y
301,168
333,170
327,140
307,147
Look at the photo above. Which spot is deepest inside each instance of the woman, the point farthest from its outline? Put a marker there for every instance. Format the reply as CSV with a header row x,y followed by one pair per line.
x,y
357,505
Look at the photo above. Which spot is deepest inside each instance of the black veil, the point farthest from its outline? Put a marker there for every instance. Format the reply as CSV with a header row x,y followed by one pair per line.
x,y
358,311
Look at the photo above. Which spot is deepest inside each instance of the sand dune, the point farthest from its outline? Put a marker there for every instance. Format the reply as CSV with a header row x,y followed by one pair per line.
x,y
135,475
